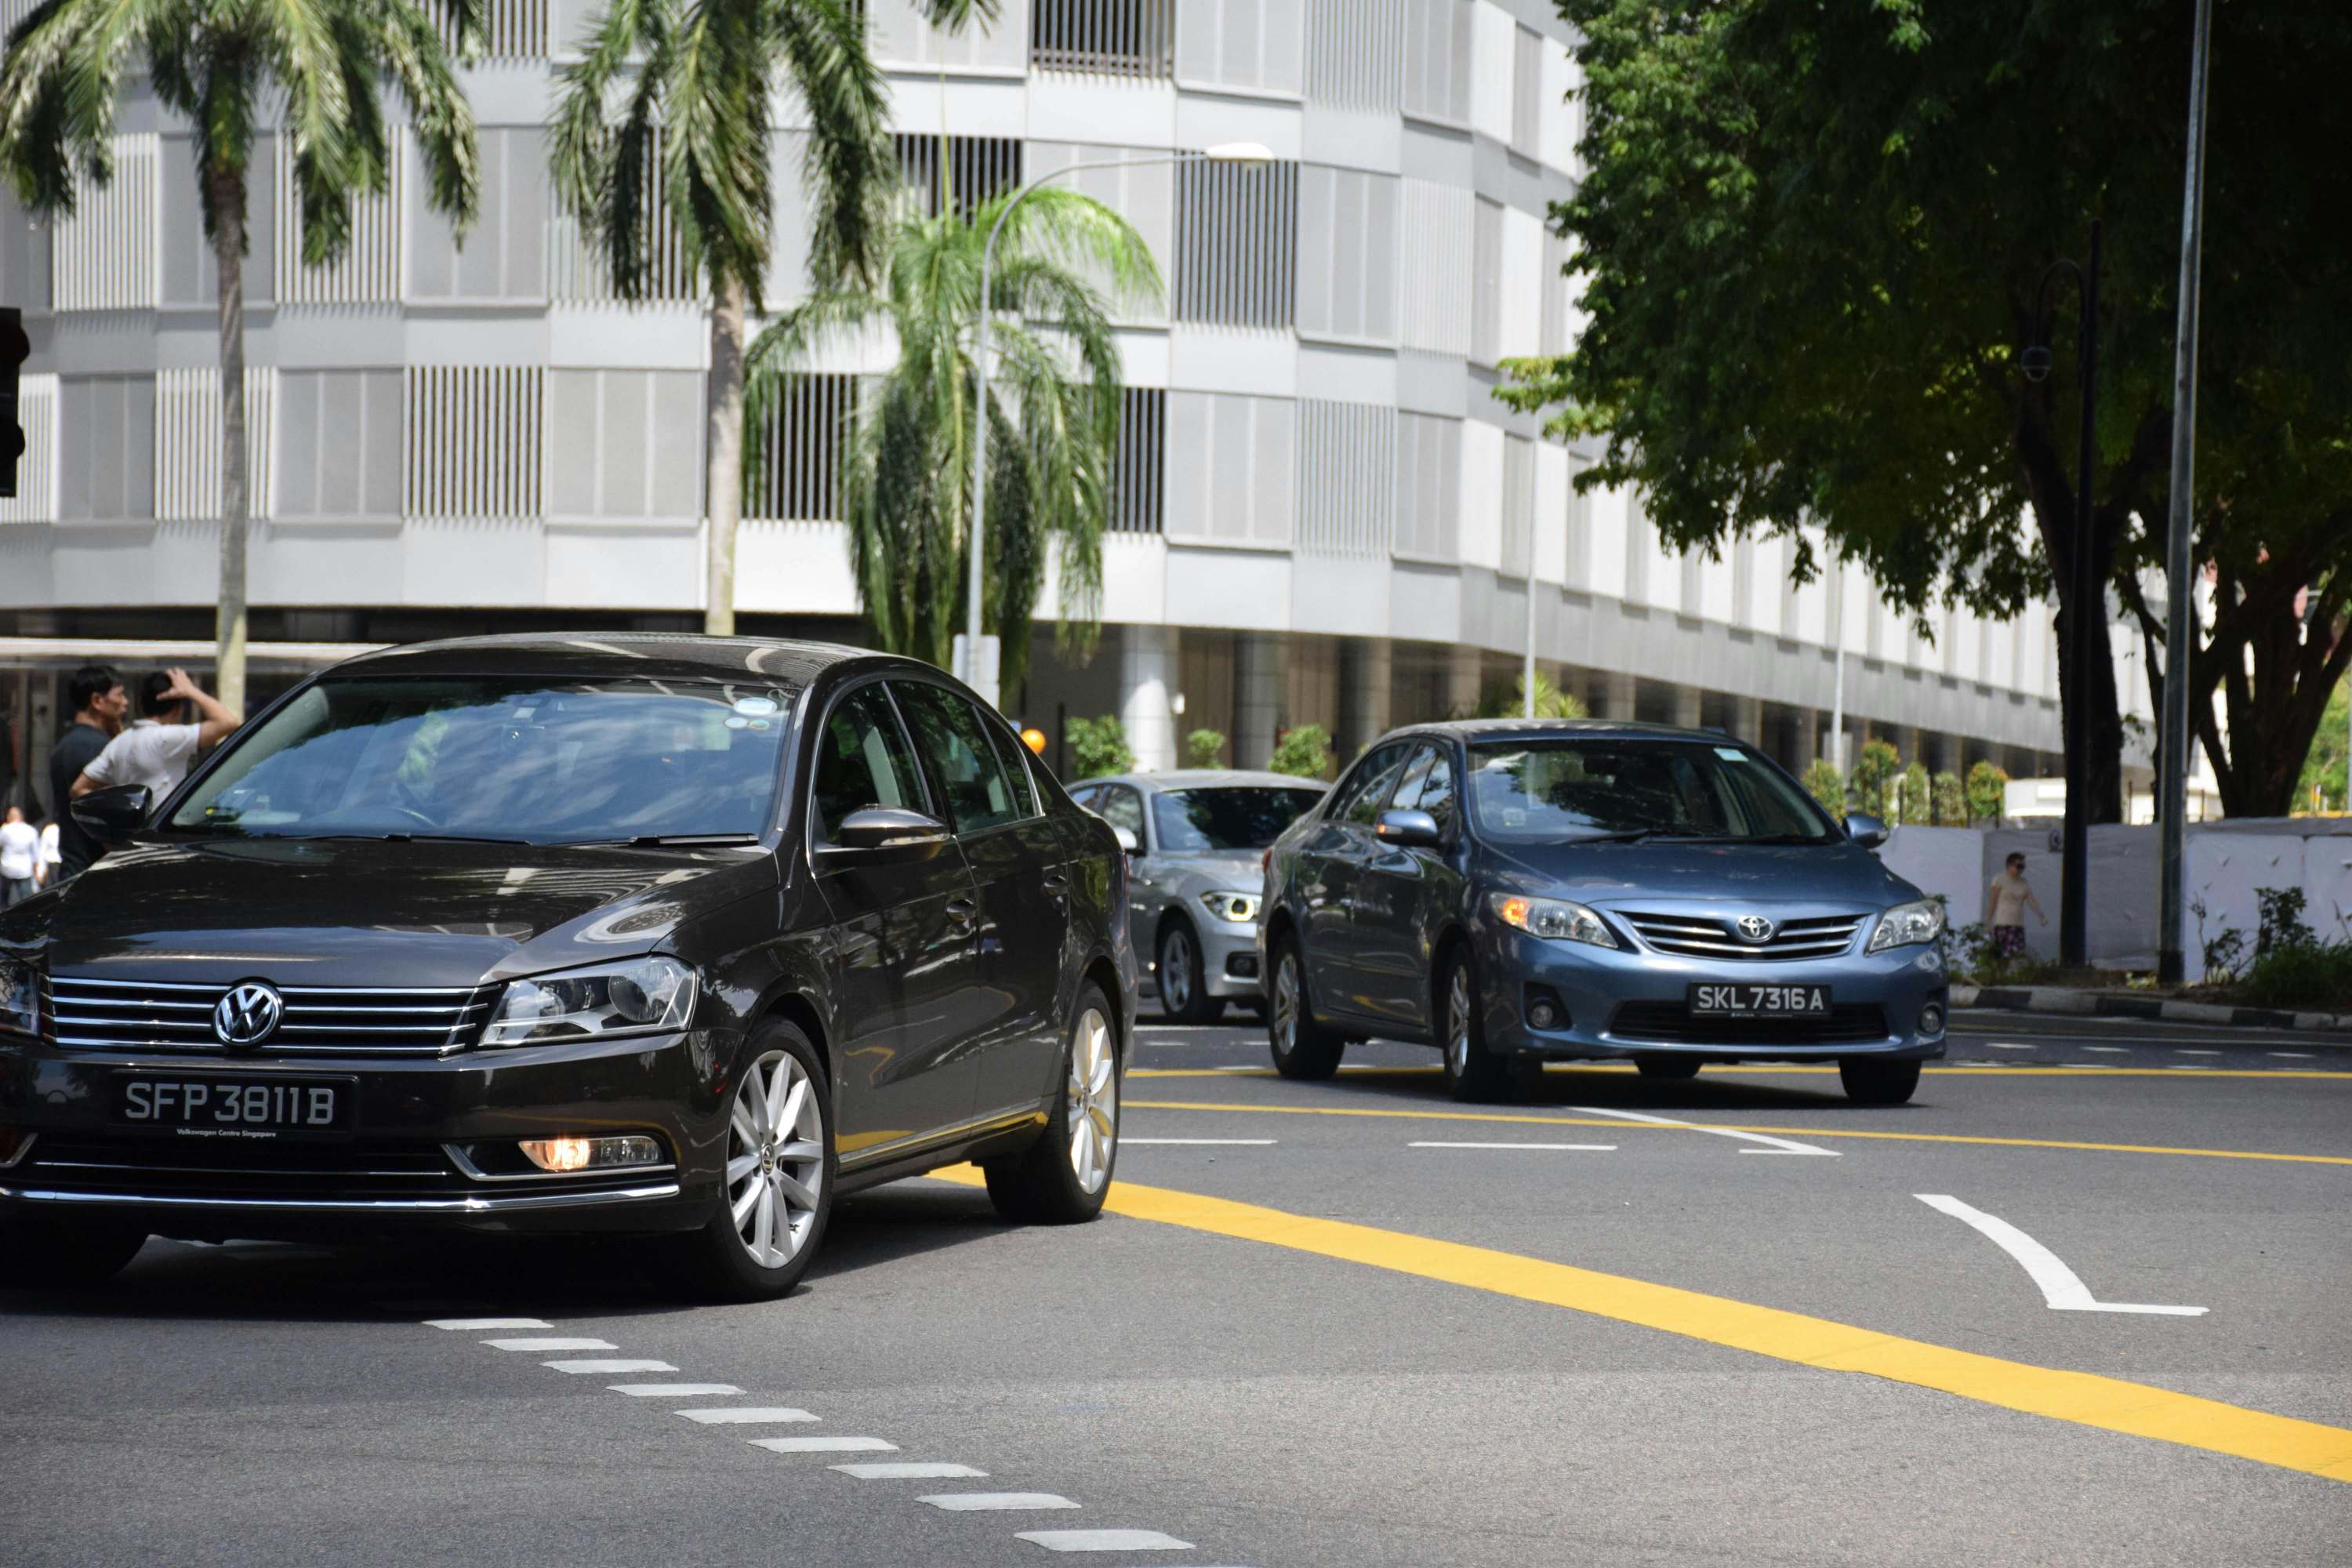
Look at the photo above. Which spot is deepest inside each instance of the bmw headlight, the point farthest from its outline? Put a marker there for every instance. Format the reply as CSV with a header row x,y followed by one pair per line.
x,y
1554,918
1908,925
20,997
641,996
1234,907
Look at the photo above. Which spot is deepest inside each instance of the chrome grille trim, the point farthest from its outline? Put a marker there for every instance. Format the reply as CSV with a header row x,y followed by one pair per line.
x,y
1700,936
91,1013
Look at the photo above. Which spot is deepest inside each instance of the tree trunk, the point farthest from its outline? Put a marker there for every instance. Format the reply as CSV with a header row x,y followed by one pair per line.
x,y
2095,689
724,483
225,195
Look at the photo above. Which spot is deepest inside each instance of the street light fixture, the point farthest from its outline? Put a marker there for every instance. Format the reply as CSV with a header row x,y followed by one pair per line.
x,y
975,668
2086,600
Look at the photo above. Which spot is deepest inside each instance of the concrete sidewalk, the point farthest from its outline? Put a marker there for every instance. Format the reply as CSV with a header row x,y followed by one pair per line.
x,y
2124,1005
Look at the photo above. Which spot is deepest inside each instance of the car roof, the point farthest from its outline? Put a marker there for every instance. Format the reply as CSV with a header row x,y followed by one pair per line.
x,y
677,655
1203,778
1539,729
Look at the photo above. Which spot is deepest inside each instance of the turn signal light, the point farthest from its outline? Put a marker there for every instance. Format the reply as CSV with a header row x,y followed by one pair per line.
x,y
563,1156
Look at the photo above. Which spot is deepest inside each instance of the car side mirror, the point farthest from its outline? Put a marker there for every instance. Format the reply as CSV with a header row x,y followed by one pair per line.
x,y
1407,829
112,816
876,828
1127,839
1866,831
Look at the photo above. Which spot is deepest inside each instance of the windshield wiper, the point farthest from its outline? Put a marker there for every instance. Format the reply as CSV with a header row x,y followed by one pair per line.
x,y
398,836
677,840
1631,835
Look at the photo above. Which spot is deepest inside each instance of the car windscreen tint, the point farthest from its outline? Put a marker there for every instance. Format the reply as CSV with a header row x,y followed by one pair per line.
x,y
1525,790
533,760
1203,821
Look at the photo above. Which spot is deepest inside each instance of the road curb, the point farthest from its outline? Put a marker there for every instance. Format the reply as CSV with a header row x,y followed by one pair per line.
x,y
2058,999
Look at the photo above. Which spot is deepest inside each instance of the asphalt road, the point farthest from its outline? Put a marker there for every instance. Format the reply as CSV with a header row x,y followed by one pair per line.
x,y
1326,1326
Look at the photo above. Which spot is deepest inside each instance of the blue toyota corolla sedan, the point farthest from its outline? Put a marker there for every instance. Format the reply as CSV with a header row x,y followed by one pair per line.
x,y
1515,891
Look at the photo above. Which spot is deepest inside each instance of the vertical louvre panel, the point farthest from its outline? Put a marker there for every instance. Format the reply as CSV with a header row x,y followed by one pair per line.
x,y
576,268
513,29
1109,37
1436,257
1429,486
1486,282
978,169
1237,237
1527,93
1519,505
1141,192
368,271
1437,60
802,449
36,499
504,258
188,441
1347,254
106,445
1347,489
107,255
1235,479
25,258
1253,44
1356,52
1139,463
474,441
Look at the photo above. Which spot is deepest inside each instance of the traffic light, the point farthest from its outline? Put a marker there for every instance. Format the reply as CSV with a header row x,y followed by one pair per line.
x,y
13,348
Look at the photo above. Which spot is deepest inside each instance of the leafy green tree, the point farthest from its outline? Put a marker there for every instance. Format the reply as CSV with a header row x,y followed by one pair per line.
x,y
1951,807
1874,769
1098,746
1988,793
2321,787
1825,783
664,124
1810,239
1914,806
1052,411
1204,748
1551,702
330,64
1302,751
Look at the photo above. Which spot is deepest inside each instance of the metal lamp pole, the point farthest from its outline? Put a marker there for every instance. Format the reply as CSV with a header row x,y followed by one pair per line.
x,y
971,668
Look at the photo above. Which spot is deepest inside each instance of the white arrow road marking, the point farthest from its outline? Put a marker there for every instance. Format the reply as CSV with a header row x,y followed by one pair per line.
x,y
909,1470
2059,1286
1105,1541
825,1445
745,1416
545,1344
985,1502
487,1323
672,1389
609,1367
1773,1145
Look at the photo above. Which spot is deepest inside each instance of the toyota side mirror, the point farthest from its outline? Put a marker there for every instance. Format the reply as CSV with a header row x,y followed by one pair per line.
x,y
1866,831
878,828
112,816
1407,829
1127,839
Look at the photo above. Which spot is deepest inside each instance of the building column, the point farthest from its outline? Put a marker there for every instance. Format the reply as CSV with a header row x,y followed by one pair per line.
x,y
1748,721
1690,707
1257,696
1147,678
1616,696
1812,735
1466,680
1363,694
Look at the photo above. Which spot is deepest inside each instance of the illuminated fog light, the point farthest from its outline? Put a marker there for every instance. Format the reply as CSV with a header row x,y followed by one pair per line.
x,y
564,1155
1931,1019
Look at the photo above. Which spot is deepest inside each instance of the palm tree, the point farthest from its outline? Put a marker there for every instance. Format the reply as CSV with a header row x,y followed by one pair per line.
x,y
664,124
1052,411
215,62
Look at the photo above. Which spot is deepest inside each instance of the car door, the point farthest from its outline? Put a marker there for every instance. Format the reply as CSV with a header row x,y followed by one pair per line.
x,y
1331,874
1404,894
907,968
1017,860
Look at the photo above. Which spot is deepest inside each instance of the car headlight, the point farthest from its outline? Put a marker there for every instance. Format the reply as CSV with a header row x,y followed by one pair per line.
x,y
20,996
1906,926
1555,919
1234,907
641,996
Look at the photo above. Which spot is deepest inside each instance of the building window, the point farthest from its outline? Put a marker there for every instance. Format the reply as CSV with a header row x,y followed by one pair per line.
x,y
1111,37
625,443
1237,479
338,441
1138,465
1237,244
800,448
1437,60
977,170
1347,254
1527,93
503,259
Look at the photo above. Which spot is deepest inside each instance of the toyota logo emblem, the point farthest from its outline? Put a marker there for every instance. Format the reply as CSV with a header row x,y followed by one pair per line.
x,y
1755,927
247,1015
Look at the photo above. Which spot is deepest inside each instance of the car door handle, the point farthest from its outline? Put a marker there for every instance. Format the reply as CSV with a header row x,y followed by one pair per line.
x,y
1057,887
961,911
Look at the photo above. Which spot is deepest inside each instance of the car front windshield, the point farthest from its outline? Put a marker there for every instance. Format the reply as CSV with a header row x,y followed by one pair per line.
x,y
534,760
1205,821
1524,791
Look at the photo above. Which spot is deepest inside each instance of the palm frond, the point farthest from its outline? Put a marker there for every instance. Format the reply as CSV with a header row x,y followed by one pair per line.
x,y
848,168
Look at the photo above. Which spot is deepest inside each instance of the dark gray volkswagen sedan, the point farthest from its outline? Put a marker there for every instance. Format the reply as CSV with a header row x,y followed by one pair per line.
x,y
675,936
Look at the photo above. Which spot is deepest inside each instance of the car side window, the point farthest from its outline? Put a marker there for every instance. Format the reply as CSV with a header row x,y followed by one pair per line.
x,y
1083,799
862,759
1121,807
1438,797
1015,757
1408,789
1365,800
953,741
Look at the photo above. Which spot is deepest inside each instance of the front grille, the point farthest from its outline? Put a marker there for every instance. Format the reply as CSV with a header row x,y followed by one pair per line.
x,y
1670,1023
1704,936
318,1020
209,1168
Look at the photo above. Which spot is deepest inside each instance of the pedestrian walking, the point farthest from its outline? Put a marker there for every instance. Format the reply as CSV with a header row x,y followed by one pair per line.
x,y
153,751
46,873
2006,902
20,858
96,695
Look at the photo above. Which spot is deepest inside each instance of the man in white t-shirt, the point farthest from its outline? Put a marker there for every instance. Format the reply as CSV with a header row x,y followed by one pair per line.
x,y
154,753
20,857
52,854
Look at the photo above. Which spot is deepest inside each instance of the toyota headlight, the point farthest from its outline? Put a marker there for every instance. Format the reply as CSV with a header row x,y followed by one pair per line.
x,y
642,996
20,997
1908,925
1554,918
1234,907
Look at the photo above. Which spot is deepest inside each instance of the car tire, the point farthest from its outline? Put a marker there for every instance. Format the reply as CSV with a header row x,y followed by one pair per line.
x,y
45,1254
1183,988
1659,1068
1874,1081
1474,1073
1303,1049
1064,1176
778,1138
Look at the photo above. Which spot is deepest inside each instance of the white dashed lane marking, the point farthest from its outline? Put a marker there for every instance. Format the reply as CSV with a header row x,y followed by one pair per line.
x,y
993,1502
2293,1056
2193,1051
1105,1541
551,1344
745,1416
613,1367
2004,1046
910,1470
824,1445
486,1324
675,1390
1201,1143
2113,1050
1592,1148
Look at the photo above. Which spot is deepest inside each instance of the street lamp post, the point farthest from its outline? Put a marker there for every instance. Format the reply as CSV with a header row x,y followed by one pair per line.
x,y
2086,598
971,667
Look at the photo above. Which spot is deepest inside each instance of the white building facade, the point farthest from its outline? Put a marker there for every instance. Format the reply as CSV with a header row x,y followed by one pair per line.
x,y
1323,516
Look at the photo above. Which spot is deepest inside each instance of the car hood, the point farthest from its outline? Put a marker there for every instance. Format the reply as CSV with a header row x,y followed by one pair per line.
x,y
1606,874
1242,870
313,912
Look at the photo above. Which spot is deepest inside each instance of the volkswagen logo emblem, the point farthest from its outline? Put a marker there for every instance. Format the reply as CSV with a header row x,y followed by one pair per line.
x,y
247,1015
1755,927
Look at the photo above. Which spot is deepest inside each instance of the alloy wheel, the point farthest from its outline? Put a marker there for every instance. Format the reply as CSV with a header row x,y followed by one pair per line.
x,y
1457,1021
1176,971
1092,1098
1285,1001
775,1160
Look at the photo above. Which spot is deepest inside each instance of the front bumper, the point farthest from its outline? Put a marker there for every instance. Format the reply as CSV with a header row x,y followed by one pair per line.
x,y
405,1164
1628,1002
1229,961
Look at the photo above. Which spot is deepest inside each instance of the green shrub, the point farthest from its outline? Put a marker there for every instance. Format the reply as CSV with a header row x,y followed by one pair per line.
x,y
1951,801
1873,770
1987,793
1098,746
1916,807
1826,785
1304,751
1551,702
1204,748
2311,973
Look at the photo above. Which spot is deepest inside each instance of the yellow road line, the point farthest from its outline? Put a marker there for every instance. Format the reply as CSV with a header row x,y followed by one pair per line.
x,y
1737,1127
1990,1070
2141,1410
